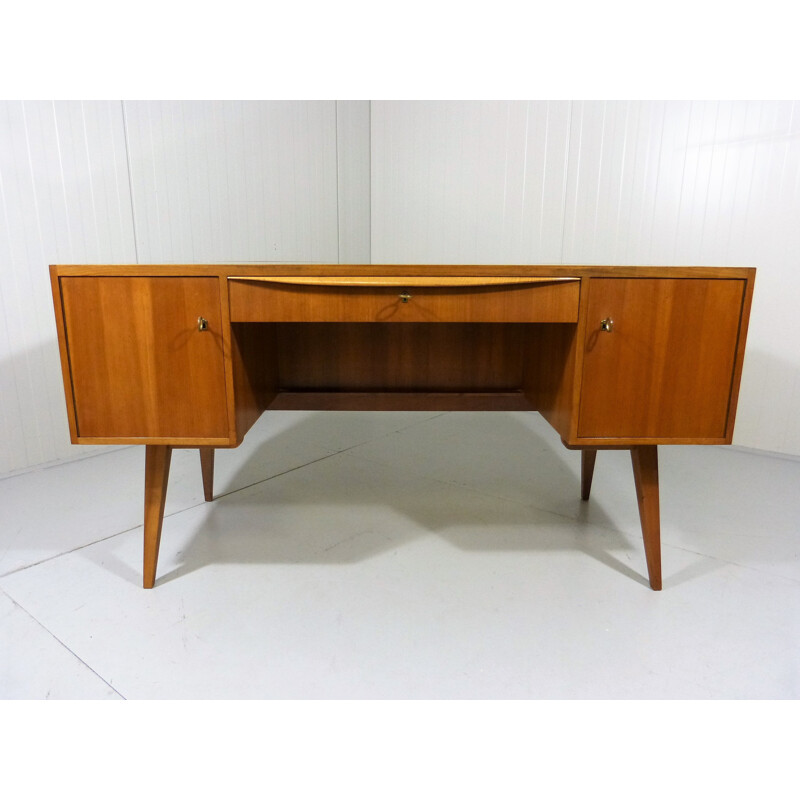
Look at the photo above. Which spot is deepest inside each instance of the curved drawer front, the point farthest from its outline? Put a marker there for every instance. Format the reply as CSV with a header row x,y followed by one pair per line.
x,y
404,300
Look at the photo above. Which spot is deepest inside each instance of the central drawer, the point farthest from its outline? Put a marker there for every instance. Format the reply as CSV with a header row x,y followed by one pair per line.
x,y
398,299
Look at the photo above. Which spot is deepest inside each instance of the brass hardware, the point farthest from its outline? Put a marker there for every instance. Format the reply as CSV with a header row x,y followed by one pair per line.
x,y
405,297
202,324
607,325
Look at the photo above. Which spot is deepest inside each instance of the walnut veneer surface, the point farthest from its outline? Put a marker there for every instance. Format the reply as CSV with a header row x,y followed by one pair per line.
x,y
191,355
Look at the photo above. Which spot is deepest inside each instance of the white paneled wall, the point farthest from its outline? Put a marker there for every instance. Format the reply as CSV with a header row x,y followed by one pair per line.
x,y
712,183
468,182
64,197
233,181
353,148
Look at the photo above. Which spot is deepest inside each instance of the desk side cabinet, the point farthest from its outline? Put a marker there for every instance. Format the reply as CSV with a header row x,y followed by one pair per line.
x,y
145,359
659,358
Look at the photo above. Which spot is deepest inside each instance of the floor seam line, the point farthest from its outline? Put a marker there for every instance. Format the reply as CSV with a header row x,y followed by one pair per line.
x,y
731,563
199,504
73,550
66,647
285,472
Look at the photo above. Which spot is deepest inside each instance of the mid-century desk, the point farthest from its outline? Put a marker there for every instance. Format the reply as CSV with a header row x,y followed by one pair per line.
x,y
191,355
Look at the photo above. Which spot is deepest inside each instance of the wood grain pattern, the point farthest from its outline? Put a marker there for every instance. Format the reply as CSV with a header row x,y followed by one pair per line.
x,y
588,457
414,270
254,356
381,357
400,401
207,469
550,370
538,302
156,477
645,475
409,281
744,323
667,368
66,375
228,361
139,366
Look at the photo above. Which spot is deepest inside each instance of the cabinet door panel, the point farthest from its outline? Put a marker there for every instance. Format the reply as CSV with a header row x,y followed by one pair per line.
x,y
666,368
139,365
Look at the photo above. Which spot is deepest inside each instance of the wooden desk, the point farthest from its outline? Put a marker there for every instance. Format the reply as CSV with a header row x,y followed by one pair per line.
x,y
191,355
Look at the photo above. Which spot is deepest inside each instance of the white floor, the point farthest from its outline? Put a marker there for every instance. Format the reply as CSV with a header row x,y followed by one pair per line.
x,y
417,556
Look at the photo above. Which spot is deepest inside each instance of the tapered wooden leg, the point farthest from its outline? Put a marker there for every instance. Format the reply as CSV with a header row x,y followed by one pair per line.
x,y
645,474
207,466
156,475
588,456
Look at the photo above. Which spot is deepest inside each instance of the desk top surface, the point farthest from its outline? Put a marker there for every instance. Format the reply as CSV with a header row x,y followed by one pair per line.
x,y
405,270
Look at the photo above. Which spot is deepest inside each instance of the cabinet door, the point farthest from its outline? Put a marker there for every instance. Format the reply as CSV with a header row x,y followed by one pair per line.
x,y
666,368
139,365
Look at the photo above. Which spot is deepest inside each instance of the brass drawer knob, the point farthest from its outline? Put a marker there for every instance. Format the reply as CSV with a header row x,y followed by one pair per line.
x,y
607,325
405,297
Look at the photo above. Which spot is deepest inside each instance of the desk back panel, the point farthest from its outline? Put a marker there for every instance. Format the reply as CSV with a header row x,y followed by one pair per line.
x,y
382,357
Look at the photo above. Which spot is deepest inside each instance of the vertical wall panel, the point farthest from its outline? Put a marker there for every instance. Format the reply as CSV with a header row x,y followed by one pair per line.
x,y
468,182
234,181
543,188
353,160
625,179
64,197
